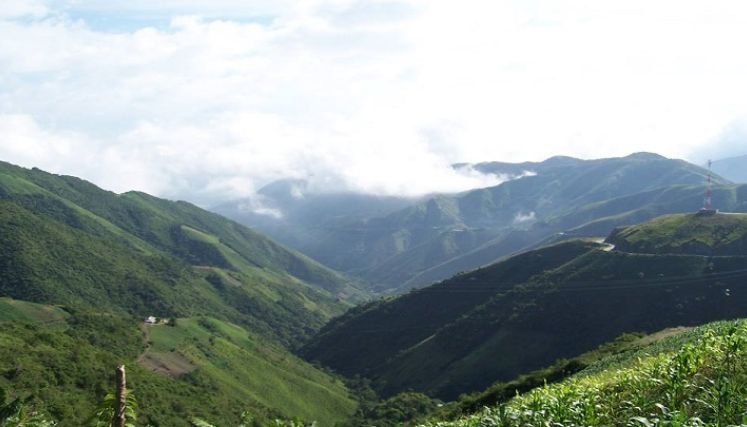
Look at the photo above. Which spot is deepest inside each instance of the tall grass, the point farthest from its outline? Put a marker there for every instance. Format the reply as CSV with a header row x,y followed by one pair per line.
x,y
703,383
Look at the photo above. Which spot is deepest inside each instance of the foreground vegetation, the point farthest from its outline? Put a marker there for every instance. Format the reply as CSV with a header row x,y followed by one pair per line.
x,y
702,382
60,363
694,377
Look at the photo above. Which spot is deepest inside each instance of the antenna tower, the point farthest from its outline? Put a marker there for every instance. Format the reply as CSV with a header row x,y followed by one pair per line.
x,y
707,200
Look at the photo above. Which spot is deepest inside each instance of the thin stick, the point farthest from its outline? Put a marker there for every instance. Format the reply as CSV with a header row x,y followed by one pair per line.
x,y
121,398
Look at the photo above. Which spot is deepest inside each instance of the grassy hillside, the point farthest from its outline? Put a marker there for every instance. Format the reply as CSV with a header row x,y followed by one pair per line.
x,y
248,368
568,311
201,367
364,340
137,216
553,311
716,235
601,218
11,309
594,219
85,266
65,241
692,379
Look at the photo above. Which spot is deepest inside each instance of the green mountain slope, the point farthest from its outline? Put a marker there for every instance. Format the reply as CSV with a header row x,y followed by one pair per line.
x,y
248,368
556,310
11,309
712,235
65,241
600,218
445,234
594,219
694,378
202,367
368,335
85,266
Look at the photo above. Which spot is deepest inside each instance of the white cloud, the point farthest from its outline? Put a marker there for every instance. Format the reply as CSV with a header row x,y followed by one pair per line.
x,y
375,95
257,205
23,9
524,218
170,7
731,142
24,142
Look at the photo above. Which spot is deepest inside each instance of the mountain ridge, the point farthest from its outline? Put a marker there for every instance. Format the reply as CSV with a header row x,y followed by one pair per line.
x,y
732,168
441,235
81,267
163,243
552,312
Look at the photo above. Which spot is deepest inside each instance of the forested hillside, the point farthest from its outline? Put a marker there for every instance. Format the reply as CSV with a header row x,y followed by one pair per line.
x,y
84,267
532,309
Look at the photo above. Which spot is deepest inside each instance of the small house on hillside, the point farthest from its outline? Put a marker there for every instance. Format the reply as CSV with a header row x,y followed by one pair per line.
x,y
151,320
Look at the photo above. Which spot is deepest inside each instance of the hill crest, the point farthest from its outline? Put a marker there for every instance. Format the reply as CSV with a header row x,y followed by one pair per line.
x,y
721,234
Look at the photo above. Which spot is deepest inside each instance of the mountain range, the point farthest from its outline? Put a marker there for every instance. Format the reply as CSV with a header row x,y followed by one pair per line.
x,y
517,279
436,237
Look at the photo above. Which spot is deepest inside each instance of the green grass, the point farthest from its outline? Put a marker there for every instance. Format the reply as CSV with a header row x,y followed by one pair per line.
x,y
698,378
719,234
65,241
11,309
19,185
221,370
248,367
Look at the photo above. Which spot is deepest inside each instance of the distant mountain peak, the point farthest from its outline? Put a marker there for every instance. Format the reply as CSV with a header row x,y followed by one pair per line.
x,y
644,155
561,160
285,188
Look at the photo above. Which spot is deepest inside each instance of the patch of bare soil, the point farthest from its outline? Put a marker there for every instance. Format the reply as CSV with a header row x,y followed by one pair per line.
x,y
171,363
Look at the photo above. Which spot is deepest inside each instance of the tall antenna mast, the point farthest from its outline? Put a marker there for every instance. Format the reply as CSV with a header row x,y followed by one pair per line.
x,y
707,200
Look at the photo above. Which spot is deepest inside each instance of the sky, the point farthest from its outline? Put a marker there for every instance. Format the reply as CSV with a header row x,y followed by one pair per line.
x,y
208,100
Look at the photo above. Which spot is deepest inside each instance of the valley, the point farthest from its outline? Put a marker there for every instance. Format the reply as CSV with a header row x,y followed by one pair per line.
x,y
373,213
477,295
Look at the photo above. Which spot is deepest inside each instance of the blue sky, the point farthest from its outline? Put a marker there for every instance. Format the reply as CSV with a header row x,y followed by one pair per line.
x,y
128,16
208,100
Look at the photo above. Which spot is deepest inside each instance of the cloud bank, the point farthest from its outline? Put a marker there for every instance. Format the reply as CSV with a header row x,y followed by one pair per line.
x,y
731,142
211,100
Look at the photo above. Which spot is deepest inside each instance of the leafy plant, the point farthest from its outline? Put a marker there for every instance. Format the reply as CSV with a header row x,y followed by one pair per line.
x,y
702,383
18,414
105,412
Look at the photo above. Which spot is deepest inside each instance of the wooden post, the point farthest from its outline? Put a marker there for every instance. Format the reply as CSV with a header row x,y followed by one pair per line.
x,y
120,401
